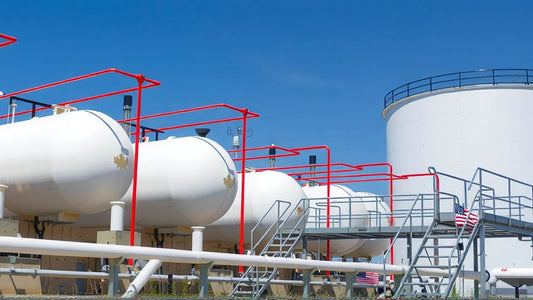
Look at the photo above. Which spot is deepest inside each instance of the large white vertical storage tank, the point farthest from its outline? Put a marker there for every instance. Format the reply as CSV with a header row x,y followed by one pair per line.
x,y
457,126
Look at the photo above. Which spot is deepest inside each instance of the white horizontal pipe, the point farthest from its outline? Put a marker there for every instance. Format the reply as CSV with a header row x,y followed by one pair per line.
x,y
509,273
81,249
142,278
99,275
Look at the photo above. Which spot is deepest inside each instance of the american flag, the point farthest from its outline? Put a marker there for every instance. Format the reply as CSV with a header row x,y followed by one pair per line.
x,y
367,277
460,217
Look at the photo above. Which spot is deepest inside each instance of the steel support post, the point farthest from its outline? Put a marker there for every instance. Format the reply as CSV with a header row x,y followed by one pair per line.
x,y
349,284
306,276
204,280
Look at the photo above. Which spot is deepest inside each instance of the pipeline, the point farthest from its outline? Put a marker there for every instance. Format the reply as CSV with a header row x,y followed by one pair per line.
x,y
82,249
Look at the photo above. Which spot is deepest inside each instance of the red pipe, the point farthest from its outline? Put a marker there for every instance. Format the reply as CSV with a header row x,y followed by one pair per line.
x,y
10,40
152,83
251,114
140,80
290,153
328,191
243,171
307,166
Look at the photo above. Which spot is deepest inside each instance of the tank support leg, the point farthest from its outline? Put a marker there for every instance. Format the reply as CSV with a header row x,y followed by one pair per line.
x,y
476,269
349,284
204,280
306,276
112,288
482,265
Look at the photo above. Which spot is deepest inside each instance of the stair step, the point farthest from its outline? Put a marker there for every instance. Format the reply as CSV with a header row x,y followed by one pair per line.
x,y
434,266
437,256
438,247
419,295
443,236
242,293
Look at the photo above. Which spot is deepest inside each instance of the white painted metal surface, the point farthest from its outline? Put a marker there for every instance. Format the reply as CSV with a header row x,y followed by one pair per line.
x,y
72,162
457,131
182,181
117,216
262,190
379,213
142,278
341,206
197,238
513,276
3,189
80,249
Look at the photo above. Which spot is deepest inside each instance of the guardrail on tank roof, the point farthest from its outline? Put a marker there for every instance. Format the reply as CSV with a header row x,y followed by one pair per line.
x,y
458,80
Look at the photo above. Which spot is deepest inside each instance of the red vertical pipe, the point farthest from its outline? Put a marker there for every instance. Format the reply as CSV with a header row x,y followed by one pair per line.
x,y
391,191
328,202
243,171
140,80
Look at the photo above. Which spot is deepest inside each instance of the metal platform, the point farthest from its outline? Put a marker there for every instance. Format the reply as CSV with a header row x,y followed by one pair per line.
x,y
495,226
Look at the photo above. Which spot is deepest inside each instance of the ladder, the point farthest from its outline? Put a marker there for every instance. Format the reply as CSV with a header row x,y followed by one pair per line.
x,y
450,255
282,236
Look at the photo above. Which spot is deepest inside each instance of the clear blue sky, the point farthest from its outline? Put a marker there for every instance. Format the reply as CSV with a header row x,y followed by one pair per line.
x,y
316,71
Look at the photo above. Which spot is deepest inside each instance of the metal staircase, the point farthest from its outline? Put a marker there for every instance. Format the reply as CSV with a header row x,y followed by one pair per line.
x,y
281,237
444,246
450,257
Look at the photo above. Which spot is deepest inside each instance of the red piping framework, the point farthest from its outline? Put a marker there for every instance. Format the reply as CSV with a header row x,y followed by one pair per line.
x,y
246,114
140,81
10,40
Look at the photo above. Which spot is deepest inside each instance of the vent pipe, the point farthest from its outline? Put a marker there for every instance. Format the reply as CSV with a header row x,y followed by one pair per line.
x,y
312,168
272,158
128,100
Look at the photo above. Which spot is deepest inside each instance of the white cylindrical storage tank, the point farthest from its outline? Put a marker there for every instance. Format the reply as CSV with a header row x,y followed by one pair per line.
x,y
458,129
261,191
341,206
379,216
187,181
71,162
183,181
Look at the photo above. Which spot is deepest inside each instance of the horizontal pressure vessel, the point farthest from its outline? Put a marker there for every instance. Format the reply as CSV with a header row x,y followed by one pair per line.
x,y
261,191
379,216
341,207
71,162
182,182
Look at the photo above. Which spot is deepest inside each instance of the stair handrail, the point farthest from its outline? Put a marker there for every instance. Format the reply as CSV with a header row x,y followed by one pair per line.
x,y
473,234
411,266
280,215
407,217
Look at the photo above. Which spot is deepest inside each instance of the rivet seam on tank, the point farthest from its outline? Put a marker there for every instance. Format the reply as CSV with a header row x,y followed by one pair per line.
x,y
121,161
229,182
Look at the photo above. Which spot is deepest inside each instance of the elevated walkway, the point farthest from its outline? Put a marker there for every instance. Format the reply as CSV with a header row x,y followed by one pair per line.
x,y
502,206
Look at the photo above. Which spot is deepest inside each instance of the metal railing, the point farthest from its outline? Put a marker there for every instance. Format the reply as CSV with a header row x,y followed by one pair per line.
x,y
511,204
458,80
276,212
